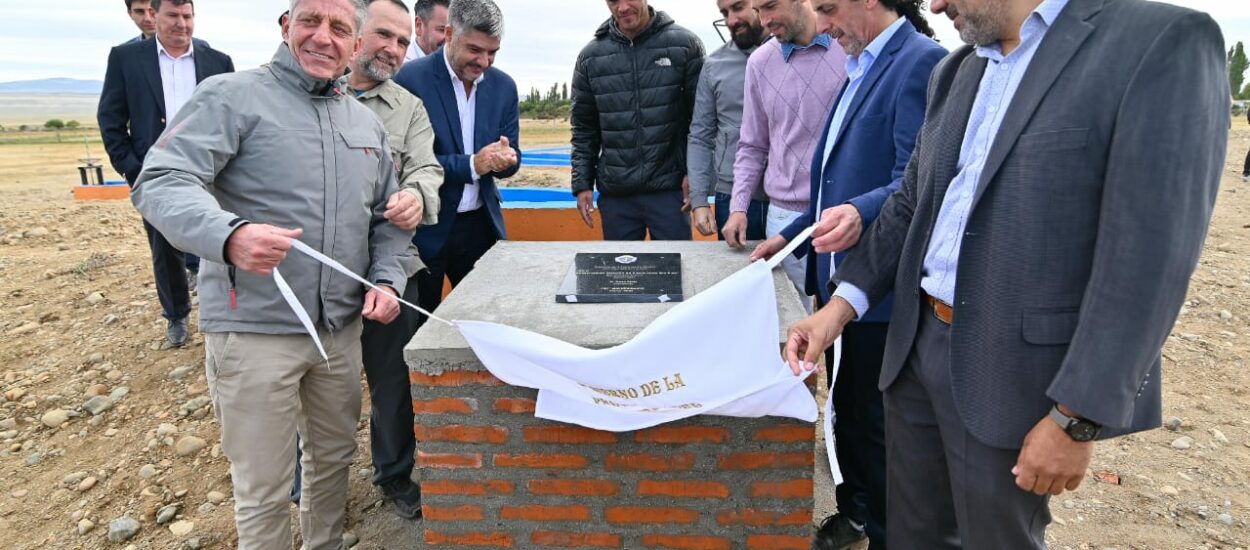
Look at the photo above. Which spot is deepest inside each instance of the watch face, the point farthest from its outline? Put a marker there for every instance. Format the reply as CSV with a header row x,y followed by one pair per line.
x,y
1083,431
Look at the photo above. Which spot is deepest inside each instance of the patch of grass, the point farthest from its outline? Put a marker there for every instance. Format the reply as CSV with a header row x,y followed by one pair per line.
x,y
545,133
49,137
97,260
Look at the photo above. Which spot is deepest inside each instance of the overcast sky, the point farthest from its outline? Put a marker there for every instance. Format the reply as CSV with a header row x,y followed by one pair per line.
x,y
71,38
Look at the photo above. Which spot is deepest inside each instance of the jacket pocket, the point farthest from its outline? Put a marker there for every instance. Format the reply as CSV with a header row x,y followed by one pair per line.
x,y
1055,140
359,161
220,363
361,140
1050,326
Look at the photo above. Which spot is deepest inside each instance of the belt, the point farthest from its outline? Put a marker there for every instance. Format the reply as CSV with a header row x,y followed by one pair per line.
x,y
941,310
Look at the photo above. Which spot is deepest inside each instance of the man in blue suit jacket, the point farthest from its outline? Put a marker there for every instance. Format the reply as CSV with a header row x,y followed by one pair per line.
x,y
474,110
860,161
145,84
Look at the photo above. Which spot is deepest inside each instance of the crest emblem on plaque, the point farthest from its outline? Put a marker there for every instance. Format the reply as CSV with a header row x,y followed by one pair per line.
x,y
626,259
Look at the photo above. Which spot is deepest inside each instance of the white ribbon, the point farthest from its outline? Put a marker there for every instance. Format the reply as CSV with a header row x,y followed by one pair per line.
x,y
790,248
293,302
831,418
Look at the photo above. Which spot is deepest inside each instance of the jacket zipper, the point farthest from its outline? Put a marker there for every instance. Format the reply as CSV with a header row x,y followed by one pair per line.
x,y
640,147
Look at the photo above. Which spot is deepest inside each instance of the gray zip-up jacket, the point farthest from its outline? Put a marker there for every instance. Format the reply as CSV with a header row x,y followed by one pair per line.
x,y
274,145
713,142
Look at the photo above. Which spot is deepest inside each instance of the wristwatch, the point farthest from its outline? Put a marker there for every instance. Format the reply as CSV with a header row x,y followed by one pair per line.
x,y
1079,429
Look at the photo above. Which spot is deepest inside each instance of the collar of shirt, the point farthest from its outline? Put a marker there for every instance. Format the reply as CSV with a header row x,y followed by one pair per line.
x,y
857,66
455,79
1034,28
788,48
385,90
160,50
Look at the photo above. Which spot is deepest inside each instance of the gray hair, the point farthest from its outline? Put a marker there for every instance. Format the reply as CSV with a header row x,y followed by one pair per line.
x,y
476,15
156,4
361,7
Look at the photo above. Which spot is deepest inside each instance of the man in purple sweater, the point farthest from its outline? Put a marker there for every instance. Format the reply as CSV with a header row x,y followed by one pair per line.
x,y
791,84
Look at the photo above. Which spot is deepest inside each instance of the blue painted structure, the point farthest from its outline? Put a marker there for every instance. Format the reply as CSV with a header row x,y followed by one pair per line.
x,y
559,157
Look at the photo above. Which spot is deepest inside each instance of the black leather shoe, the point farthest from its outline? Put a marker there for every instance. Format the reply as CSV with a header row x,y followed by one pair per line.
x,y
405,495
176,333
838,532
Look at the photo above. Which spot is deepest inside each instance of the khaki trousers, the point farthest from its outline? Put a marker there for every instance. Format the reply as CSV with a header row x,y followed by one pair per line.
x,y
266,388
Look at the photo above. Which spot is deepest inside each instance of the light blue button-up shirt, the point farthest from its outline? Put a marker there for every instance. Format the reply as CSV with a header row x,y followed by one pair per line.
x,y
998,87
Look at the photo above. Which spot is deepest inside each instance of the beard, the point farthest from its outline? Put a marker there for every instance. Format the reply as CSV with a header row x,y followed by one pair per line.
x,y
747,36
379,69
983,25
854,46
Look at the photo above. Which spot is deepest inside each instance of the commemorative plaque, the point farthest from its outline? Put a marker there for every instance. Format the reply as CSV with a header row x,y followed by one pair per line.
x,y
622,278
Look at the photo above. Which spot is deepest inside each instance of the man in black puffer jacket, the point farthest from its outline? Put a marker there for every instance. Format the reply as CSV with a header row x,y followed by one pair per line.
x,y
633,94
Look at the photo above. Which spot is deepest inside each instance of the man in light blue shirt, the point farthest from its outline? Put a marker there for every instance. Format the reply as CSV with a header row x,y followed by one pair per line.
x,y
1040,247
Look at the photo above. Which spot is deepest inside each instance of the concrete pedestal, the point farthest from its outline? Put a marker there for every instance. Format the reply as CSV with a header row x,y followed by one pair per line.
x,y
495,476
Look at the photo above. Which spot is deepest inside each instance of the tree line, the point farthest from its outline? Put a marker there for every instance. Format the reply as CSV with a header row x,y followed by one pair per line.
x,y
554,104
1237,65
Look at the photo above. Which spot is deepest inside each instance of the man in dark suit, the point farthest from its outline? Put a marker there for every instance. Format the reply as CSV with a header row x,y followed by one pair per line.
x,y
1040,248
860,160
474,111
147,82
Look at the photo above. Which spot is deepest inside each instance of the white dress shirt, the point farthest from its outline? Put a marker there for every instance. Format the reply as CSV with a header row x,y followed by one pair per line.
x,y
177,78
466,104
414,52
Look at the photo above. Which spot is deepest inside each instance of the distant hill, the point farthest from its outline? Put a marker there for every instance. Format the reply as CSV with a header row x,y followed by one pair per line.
x,y
52,86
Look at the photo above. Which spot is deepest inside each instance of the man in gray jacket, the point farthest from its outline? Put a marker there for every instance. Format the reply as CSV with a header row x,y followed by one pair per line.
x,y
713,142
254,161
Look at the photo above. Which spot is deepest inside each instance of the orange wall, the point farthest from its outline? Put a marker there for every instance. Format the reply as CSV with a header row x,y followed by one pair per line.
x,y
557,224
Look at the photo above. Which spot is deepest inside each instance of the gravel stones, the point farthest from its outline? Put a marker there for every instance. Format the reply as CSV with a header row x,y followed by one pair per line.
x,y
189,445
54,418
123,529
98,405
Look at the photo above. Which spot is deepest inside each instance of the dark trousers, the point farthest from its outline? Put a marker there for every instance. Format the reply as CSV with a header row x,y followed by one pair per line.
x,y
946,489
170,271
1246,171
472,234
391,441
631,217
859,429
757,217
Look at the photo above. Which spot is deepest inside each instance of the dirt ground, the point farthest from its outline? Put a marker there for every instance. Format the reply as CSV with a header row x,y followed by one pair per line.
x,y
79,318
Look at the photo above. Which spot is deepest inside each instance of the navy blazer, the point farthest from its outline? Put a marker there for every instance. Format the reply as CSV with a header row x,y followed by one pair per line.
x,y
873,147
498,114
131,113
